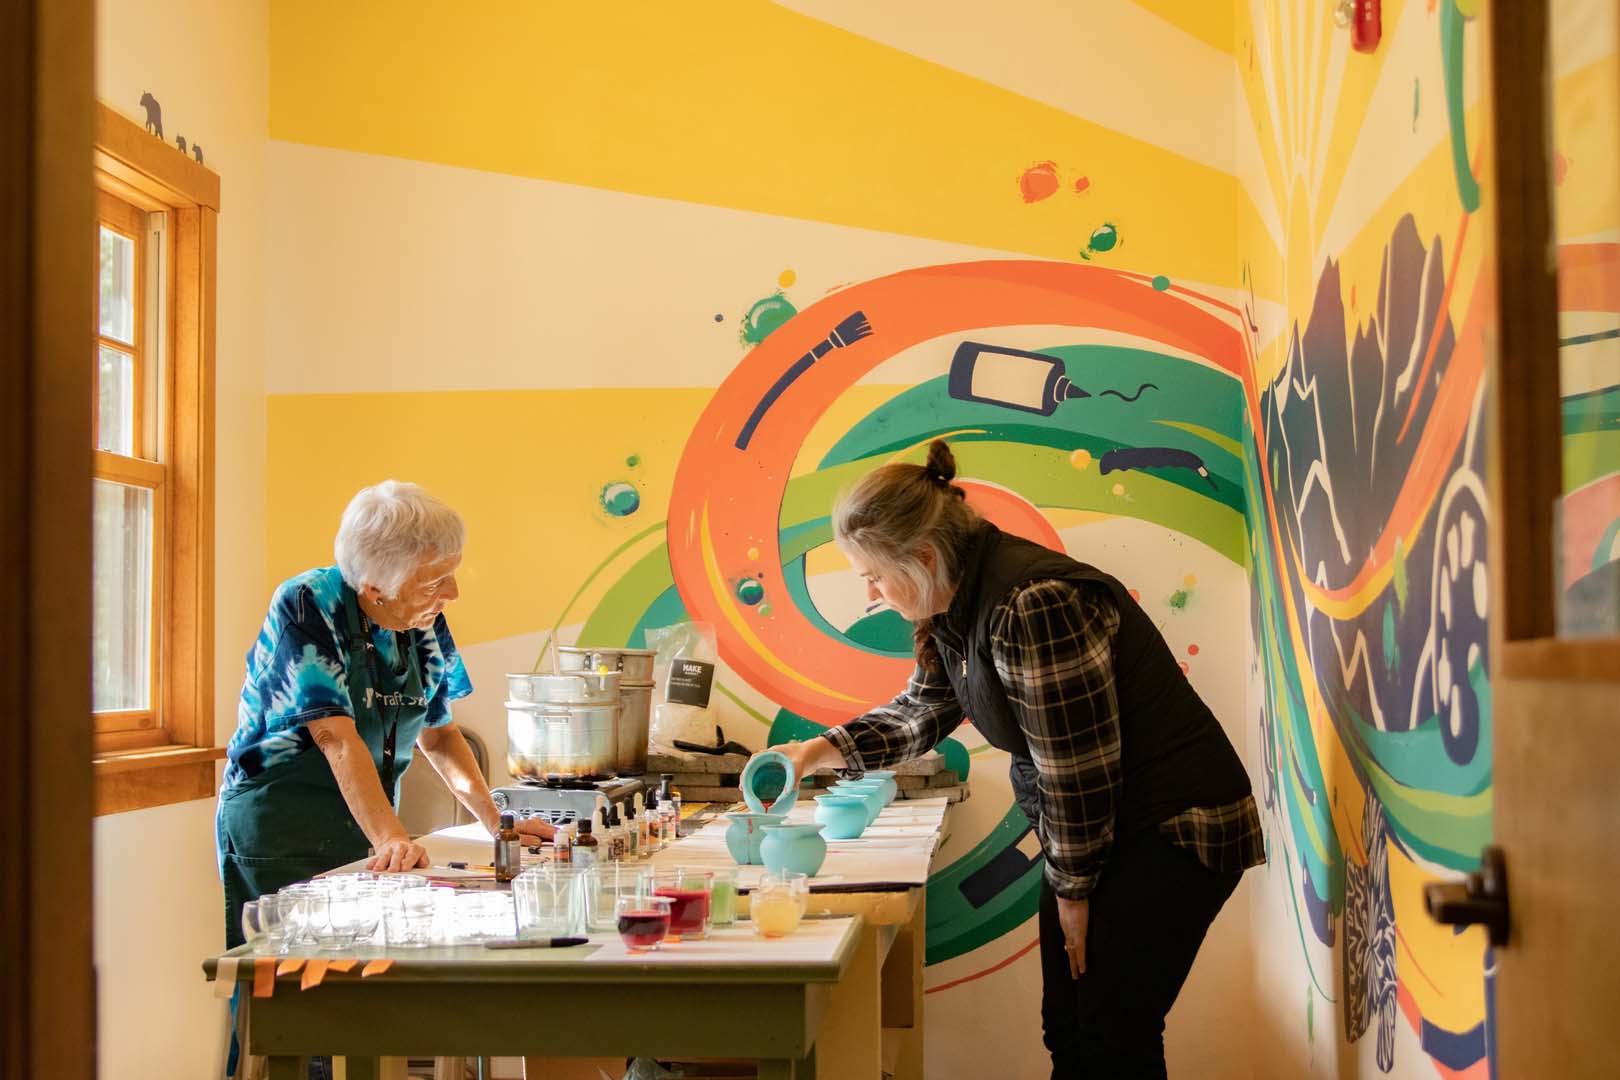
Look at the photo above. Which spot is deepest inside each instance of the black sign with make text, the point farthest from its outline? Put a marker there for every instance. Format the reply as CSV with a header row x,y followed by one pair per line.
x,y
689,682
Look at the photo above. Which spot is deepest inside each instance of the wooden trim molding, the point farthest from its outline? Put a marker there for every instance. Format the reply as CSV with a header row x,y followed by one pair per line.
x,y
173,760
126,151
156,778
1581,659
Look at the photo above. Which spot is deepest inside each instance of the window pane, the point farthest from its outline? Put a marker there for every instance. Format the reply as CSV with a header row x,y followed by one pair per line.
x,y
115,387
117,286
123,597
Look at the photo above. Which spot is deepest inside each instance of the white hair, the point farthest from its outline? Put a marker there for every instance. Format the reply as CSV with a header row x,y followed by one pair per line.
x,y
391,529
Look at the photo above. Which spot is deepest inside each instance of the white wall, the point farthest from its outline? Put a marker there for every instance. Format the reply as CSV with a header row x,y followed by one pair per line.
x,y
158,905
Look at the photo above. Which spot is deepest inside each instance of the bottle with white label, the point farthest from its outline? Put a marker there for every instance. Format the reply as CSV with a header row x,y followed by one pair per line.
x,y
1027,381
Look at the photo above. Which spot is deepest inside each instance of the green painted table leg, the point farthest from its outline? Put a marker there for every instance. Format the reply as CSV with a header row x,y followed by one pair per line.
x,y
283,1067
361,1068
788,1069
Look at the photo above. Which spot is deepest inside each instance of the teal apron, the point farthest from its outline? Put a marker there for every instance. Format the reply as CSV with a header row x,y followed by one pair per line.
x,y
289,822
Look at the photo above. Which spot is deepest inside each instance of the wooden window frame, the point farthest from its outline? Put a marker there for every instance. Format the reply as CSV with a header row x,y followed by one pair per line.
x,y
1525,444
171,759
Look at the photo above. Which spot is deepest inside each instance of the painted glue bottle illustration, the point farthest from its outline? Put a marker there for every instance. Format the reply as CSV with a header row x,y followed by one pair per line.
x,y
1029,381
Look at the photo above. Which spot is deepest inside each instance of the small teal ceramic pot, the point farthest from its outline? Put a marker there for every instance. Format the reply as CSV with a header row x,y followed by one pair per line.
x,y
843,816
869,790
746,832
796,848
769,778
891,786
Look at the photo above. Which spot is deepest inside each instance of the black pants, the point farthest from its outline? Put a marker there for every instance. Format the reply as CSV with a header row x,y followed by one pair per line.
x,y
1149,913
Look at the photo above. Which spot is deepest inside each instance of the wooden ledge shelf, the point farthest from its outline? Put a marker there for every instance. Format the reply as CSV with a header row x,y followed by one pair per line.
x,y
158,777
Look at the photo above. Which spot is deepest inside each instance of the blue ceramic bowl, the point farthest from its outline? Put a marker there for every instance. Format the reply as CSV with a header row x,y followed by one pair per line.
x,y
745,834
891,786
843,816
768,778
869,790
796,848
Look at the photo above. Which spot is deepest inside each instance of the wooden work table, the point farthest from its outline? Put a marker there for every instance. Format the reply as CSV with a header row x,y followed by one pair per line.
x,y
841,997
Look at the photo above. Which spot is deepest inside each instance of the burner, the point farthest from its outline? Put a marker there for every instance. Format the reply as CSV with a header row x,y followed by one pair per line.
x,y
558,798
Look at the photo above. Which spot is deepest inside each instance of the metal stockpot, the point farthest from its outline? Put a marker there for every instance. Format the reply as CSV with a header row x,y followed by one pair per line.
x,y
635,726
575,688
579,741
636,665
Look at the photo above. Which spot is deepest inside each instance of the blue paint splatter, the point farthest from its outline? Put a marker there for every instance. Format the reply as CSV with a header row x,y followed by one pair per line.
x,y
620,499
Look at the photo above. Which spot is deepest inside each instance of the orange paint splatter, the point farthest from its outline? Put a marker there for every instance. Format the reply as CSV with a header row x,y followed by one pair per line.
x,y
1192,650
1082,185
1136,596
1560,168
1038,182
1185,670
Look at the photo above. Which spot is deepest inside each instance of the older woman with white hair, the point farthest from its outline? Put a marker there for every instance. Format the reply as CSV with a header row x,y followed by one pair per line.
x,y
354,666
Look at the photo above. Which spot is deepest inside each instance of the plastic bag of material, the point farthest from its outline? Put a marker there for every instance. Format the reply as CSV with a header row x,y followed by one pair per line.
x,y
683,683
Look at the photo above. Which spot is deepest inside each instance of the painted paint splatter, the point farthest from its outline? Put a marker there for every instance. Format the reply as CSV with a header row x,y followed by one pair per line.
x,y
1179,599
1190,580
1104,238
786,278
1560,168
1416,101
1119,489
718,317
1192,650
765,610
765,318
1155,457
633,460
1310,1015
1081,458
1161,283
620,499
1082,185
753,554
1038,181
1186,669
750,591
1400,573
1392,644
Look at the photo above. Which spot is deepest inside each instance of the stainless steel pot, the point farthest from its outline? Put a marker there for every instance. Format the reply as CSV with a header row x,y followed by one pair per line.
x,y
576,740
636,665
635,726
574,688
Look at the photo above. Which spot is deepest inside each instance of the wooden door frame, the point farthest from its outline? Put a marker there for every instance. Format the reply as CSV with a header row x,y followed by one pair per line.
x,y
1525,440
47,984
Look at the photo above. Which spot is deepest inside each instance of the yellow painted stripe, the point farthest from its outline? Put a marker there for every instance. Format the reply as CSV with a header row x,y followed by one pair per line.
x,y
1584,123
736,103
525,468
1209,22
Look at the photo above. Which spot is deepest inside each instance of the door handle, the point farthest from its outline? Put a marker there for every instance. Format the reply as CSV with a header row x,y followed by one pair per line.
x,y
1481,899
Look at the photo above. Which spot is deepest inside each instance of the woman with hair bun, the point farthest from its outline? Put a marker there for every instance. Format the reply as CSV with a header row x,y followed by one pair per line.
x,y
1141,805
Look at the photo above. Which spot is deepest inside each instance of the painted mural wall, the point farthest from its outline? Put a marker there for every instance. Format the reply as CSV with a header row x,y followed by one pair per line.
x,y
640,289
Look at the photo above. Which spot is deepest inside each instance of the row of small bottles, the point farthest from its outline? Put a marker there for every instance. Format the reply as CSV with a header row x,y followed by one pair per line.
x,y
641,828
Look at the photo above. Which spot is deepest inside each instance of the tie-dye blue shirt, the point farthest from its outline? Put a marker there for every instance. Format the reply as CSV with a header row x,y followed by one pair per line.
x,y
297,671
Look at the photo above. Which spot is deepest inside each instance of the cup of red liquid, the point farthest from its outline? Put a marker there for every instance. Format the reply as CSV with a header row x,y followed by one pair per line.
x,y
642,920
688,892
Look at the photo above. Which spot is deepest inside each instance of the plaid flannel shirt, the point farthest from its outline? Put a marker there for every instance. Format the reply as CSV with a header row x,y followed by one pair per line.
x,y
1052,643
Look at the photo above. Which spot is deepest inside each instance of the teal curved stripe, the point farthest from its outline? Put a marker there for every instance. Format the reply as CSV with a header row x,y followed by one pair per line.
x,y
954,925
1451,64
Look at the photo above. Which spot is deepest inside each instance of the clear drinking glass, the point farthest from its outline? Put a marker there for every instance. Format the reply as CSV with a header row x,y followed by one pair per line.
x,y
776,906
603,885
408,917
689,890
548,901
642,920
292,903
723,898
253,928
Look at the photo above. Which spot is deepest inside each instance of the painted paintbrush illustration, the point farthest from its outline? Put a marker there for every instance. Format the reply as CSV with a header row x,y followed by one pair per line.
x,y
846,333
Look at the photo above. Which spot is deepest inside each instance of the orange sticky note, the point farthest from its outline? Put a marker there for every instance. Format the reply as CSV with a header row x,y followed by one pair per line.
x,y
264,976
290,965
375,967
342,967
314,972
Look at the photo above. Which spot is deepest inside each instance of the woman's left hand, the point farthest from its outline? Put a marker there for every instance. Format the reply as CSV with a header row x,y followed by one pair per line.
x,y
1074,916
533,830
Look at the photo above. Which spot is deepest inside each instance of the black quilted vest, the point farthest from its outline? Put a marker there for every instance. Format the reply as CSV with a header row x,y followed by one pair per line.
x,y
1174,753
